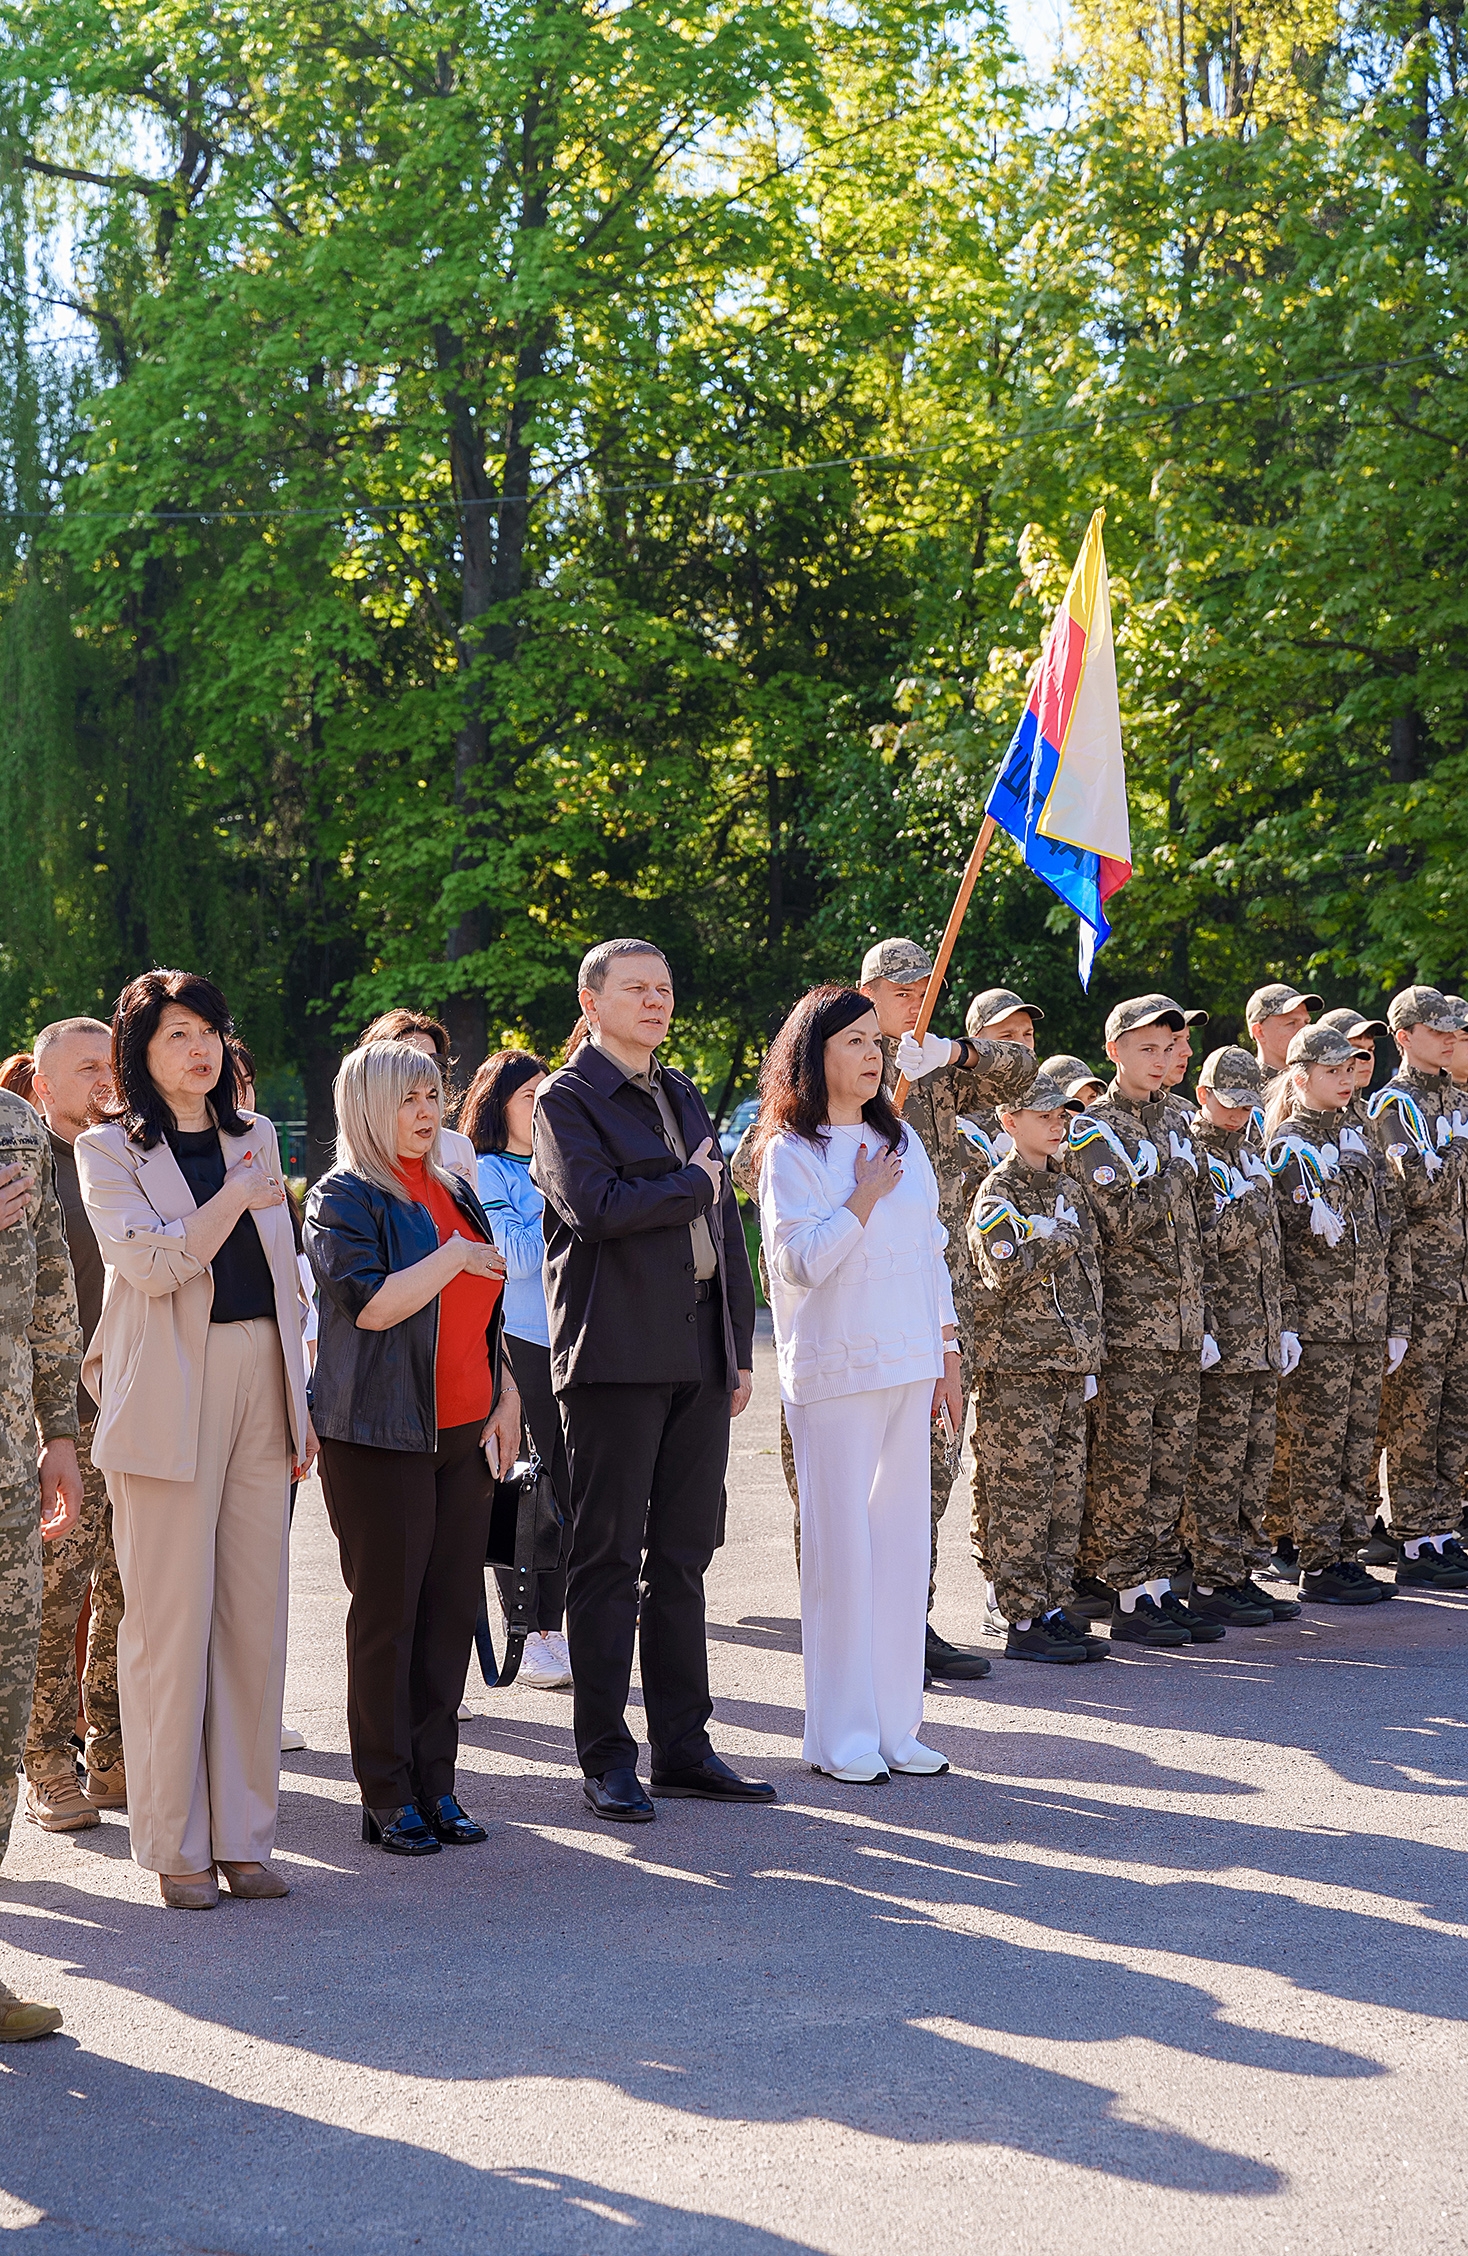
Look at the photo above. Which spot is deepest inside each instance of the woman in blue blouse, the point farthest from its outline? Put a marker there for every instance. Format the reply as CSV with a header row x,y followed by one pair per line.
x,y
495,1116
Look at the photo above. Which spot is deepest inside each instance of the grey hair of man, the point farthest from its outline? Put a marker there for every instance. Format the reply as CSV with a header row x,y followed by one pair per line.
x,y
370,1085
598,961
61,1030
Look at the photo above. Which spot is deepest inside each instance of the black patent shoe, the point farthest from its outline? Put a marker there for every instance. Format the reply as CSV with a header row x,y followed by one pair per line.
x,y
618,1794
450,1823
711,1781
401,1832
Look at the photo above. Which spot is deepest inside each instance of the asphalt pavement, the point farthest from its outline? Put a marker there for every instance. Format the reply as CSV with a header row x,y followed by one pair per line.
x,y
1172,1959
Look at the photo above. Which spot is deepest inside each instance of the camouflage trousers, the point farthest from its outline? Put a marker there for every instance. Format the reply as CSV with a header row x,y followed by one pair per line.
x,y
1228,1488
1143,1426
20,1630
1030,1450
1424,1422
81,1563
1326,1455
942,1472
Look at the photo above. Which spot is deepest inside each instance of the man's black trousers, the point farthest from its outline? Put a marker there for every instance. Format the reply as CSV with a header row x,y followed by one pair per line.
x,y
647,1483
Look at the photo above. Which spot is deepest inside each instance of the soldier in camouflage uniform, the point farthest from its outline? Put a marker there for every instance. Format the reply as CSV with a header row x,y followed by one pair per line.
x,y
1178,1109
1335,1231
1037,1348
1223,1513
1420,1122
1142,1180
1075,1077
1274,1015
40,1358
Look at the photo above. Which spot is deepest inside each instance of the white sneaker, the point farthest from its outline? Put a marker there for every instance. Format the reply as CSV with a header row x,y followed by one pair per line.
x,y
291,1740
465,1711
542,1667
923,1762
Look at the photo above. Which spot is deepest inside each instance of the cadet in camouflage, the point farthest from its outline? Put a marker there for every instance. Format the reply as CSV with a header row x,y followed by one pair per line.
x,y
1420,1123
1037,1347
82,1566
1142,1181
1334,1230
1223,1511
40,1359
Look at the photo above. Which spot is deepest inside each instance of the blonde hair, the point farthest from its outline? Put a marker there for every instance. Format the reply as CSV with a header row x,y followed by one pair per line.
x,y
1281,1104
371,1083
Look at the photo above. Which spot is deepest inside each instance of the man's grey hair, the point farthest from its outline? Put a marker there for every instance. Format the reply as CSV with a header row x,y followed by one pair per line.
x,y
598,961
58,1031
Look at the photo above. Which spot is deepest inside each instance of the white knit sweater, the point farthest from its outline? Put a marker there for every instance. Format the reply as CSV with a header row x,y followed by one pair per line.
x,y
855,1309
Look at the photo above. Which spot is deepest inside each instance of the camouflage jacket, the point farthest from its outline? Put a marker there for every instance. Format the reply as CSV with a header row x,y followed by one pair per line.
x,y
40,1337
1413,1122
1342,1289
1153,1215
1037,1300
1251,1301
934,1106
1357,1115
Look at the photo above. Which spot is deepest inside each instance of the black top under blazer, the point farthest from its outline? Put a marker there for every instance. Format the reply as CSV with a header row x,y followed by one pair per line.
x,y
378,1389
619,1284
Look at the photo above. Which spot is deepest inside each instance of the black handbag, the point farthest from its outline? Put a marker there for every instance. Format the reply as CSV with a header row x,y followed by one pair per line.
x,y
526,1533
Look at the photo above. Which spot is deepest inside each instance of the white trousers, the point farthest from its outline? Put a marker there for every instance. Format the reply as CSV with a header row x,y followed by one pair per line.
x,y
862,1466
205,1568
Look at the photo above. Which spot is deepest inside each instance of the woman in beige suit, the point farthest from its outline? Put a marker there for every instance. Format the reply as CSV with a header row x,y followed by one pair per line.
x,y
198,1367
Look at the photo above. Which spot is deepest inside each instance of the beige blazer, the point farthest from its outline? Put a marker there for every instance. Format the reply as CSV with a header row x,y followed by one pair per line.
x,y
145,1365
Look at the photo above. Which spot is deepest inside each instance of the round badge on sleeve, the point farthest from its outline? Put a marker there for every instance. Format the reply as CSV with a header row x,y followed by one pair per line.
x,y
1103,1174
1003,1250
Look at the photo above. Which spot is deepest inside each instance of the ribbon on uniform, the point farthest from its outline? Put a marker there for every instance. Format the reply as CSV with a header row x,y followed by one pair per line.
x,y
999,1214
1085,1129
1411,1115
983,1142
1316,1170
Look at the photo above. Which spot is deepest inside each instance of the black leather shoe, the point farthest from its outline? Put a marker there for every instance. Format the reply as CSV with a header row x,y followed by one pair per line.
x,y
401,1832
954,1664
712,1781
619,1794
450,1822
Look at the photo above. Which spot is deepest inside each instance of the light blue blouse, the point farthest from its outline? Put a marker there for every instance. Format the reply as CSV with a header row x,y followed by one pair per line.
x,y
514,1207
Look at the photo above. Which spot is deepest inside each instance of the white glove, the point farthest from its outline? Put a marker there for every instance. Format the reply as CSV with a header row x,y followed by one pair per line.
x,y
1396,1348
1004,1143
1180,1147
1211,1353
1352,1140
1444,1131
1460,1127
1090,1392
1042,1226
1146,1160
1252,1163
915,1058
1064,1211
1289,1353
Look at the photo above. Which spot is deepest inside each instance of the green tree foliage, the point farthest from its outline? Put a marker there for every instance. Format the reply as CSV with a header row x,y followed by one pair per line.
x,y
523,473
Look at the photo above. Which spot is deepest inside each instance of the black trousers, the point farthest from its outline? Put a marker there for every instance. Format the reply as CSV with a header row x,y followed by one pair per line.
x,y
531,1367
412,1531
647,1484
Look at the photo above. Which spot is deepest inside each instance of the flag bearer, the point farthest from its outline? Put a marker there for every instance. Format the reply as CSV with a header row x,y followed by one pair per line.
x,y
1142,1181
1223,1515
1037,1348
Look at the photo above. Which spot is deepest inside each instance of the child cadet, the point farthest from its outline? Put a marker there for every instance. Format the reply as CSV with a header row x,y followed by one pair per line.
x,y
1074,1076
1335,1230
1142,1181
1037,1348
1421,1124
1223,1515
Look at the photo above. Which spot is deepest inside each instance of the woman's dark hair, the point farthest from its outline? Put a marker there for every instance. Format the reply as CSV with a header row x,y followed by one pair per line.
x,y
397,1025
140,1006
482,1114
793,1097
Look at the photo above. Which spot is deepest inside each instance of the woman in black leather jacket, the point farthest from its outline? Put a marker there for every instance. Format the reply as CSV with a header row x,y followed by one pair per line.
x,y
415,1412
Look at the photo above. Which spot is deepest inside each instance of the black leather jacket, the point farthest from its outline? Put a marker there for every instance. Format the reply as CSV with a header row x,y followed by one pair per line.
x,y
377,1388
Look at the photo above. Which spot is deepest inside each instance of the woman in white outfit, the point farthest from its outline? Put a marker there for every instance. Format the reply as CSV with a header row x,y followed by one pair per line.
x,y
866,1343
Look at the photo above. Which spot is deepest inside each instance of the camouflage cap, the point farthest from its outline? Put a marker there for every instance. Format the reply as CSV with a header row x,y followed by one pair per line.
x,y
1272,1001
1072,1073
1351,1023
995,1002
1459,1007
1422,1006
1233,1076
901,961
1145,1010
1319,1045
1009,1077
1043,1095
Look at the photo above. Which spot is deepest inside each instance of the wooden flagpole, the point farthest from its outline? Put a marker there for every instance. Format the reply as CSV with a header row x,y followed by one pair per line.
x,y
946,946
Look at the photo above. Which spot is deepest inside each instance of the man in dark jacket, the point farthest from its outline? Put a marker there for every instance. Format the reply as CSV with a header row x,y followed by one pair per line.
x,y
651,1309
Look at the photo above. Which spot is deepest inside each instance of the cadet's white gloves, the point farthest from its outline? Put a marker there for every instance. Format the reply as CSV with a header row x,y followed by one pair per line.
x,y
915,1058
1064,1211
1211,1353
1146,1160
1289,1352
1396,1348
1181,1147
1090,1393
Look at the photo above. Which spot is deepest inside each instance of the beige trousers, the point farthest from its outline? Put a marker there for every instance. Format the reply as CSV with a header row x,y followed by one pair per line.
x,y
201,1646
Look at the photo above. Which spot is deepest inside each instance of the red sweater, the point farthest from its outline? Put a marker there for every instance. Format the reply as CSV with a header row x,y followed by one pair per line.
x,y
465,1383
